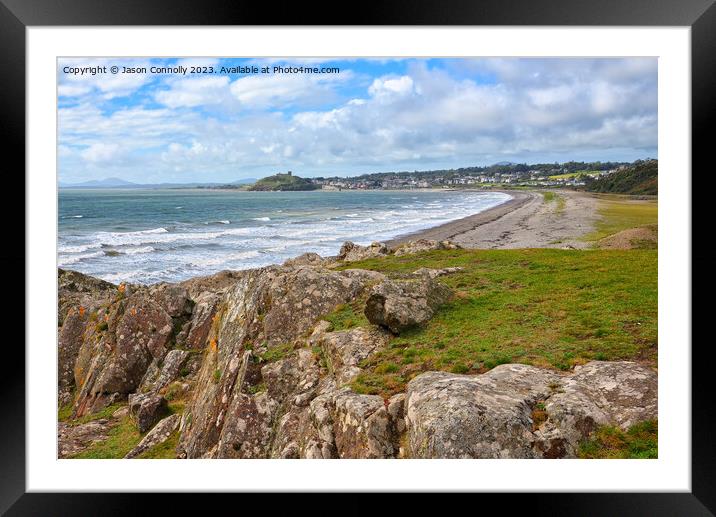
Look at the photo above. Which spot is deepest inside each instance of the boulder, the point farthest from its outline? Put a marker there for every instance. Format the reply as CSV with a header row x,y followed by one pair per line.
x,y
401,304
616,393
351,252
146,409
483,416
160,433
421,245
362,427
493,415
307,259
434,273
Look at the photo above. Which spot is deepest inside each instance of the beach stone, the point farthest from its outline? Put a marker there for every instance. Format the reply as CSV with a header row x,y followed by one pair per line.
x,y
351,252
401,304
160,433
421,245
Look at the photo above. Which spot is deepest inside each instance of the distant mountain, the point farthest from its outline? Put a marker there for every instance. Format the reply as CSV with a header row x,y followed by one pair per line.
x,y
244,181
639,178
104,183
110,183
283,182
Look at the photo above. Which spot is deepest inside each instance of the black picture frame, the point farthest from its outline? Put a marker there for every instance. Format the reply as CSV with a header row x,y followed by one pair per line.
x,y
17,15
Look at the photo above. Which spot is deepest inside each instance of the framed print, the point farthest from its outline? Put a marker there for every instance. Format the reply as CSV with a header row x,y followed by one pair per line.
x,y
426,257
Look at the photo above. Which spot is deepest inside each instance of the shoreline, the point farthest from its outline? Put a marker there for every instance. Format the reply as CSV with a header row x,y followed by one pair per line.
x,y
451,229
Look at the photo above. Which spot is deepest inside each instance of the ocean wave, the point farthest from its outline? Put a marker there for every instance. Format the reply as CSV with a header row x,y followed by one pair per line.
x,y
223,221
79,248
261,218
75,259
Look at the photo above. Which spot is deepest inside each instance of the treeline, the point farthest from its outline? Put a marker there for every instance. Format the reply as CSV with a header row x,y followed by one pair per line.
x,y
639,178
544,169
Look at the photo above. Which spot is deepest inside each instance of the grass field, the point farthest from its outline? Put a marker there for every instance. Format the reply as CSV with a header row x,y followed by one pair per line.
x,y
618,213
546,307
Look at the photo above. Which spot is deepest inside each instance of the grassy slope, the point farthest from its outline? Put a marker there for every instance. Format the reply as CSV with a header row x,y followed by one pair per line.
x,y
619,213
124,436
641,178
546,307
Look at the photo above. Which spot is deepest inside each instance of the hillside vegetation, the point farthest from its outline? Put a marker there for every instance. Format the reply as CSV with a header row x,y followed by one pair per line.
x,y
639,178
283,182
544,307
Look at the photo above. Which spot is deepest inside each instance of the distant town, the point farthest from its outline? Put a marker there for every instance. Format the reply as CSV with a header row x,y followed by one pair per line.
x,y
569,174
503,175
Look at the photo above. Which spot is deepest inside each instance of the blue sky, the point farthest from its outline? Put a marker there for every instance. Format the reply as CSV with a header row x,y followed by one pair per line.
x,y
372,116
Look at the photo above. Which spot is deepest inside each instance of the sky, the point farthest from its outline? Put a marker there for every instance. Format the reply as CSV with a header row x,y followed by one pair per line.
x,y
374,115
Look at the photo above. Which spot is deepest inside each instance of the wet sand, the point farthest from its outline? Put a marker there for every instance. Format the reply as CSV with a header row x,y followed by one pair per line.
x,y
526,221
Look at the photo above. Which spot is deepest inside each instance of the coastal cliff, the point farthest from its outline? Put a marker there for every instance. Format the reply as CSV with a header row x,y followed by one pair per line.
x,y
263,363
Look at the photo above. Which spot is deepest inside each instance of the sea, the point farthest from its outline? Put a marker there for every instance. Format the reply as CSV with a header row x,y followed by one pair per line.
x,y
149,236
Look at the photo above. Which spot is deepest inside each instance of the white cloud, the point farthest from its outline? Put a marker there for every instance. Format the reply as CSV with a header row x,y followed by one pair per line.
x,y
98,153
202,90
466,112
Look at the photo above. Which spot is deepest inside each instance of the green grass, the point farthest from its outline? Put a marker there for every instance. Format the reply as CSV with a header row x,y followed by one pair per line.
x,y
64,412
619,214
639,442
163,451
276,353
550,197
348,315
122,439
103,413
546,307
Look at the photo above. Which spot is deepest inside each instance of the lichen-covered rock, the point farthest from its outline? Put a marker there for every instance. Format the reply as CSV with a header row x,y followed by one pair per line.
x,y
351,252
307,259
159,377
173,298
483,416
362,427
345,349
146,409
160,433
616,393
206,305
434,273
421,245
401,304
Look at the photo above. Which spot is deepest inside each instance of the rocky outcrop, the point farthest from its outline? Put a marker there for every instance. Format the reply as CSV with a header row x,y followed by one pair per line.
x,y
160,433
161,373
401,304
491,415
146,409
351,252
421,245
599,393
344,350
268,310
263,374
